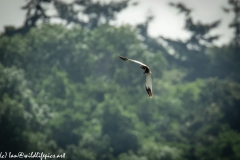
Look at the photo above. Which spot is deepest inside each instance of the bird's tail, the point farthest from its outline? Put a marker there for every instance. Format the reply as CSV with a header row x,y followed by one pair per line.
x,y
123,58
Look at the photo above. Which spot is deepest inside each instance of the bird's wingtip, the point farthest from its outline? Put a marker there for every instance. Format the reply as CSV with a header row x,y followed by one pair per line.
x,y
149,91
123,58
150,95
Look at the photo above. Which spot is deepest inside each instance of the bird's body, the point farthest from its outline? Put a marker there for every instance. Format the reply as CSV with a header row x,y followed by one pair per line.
x,y
147,71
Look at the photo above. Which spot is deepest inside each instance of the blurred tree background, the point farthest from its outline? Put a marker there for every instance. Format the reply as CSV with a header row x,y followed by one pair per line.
x,y
63,88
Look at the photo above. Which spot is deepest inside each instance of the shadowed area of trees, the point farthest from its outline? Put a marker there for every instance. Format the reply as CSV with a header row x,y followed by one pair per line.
x,y
63,88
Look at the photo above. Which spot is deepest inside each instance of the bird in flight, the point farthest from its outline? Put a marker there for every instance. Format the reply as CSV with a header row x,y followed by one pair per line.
x,y
148,85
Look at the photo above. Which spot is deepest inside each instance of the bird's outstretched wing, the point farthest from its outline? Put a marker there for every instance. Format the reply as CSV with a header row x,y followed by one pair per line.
x,y
148,85
126,59
143,66
147,71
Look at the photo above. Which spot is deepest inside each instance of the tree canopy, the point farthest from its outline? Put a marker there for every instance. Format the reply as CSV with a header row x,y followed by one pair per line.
x,y
64,90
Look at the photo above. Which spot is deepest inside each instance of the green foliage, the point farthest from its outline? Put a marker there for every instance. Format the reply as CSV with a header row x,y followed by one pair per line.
x,y
20,113
64,90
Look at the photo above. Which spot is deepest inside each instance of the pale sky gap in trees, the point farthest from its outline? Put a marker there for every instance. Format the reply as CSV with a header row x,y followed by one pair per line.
x,y
168,22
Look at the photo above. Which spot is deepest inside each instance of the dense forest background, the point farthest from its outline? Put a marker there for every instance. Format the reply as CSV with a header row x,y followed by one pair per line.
x,y
63,88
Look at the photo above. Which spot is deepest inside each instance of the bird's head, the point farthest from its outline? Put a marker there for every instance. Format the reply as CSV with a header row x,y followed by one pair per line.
x,y
146,69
